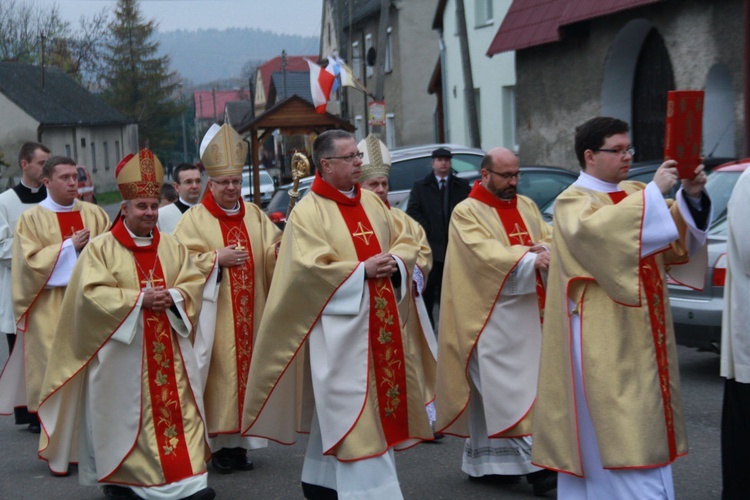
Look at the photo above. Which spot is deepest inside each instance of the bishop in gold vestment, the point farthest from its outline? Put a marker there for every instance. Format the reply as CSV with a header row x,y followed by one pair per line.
x,y
122,394
233,243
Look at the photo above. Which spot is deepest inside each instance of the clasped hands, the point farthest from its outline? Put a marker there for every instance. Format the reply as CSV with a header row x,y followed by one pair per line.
x,y
379,266
157,299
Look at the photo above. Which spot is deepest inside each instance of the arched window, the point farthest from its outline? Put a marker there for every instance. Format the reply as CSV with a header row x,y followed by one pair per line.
x,y
653,79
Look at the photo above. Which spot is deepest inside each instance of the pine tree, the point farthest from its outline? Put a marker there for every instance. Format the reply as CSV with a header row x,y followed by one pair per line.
x,y
138,83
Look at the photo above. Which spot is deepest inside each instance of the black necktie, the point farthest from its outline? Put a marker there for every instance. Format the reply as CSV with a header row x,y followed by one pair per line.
x,y
444,196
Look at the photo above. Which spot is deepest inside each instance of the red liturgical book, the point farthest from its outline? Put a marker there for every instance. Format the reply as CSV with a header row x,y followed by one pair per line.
x,y
682,140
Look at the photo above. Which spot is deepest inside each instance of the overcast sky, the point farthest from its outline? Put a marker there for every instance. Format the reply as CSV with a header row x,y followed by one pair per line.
x,y
297,17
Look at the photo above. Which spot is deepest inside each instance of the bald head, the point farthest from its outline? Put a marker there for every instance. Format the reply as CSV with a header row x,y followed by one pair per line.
x,y
500,173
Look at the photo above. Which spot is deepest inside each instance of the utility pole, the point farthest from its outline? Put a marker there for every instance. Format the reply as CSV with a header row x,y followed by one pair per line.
x,y
469,101
283,75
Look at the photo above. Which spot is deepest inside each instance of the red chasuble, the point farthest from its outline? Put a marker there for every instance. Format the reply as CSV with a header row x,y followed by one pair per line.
x,y
157,345
386,343
653,287
242,285
514,227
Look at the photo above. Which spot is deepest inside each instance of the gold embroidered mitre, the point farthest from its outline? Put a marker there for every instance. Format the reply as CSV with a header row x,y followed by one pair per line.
x,y
140,176
376,161
223,152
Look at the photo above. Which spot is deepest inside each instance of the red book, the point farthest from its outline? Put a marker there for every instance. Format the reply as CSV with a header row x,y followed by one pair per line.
x,y
682,140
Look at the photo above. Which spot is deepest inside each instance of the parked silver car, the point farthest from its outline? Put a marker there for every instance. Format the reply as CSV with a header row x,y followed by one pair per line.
x,y
267,187
697,313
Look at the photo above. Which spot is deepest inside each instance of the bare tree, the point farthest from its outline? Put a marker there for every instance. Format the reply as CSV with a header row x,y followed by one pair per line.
x,y
21,25
33,34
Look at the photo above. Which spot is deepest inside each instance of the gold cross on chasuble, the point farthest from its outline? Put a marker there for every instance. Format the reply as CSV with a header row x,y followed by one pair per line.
x,y
364,233
519,232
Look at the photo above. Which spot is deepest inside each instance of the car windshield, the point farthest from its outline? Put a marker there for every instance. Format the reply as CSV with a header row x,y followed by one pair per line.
x,y
719,187
543,186
280,200
265,179
405,172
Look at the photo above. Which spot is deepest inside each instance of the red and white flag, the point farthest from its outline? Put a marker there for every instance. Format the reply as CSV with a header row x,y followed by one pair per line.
x,y
321,83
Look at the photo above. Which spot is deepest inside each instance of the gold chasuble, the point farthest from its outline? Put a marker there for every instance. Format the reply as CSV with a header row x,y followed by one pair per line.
x,y
327,238
40,233
628,352
405,224
122,395
488,238
204,229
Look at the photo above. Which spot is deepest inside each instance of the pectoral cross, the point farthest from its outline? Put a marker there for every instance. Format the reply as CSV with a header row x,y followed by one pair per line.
x,y
151,281
238,245
519,234
364,233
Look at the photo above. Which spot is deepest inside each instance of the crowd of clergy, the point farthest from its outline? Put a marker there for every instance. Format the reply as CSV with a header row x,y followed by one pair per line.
x,y
198,331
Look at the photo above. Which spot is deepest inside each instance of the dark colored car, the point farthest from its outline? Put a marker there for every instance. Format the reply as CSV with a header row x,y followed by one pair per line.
x,y
541,184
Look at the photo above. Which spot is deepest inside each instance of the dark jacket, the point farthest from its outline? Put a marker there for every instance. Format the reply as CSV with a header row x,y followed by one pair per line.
x,y
426,207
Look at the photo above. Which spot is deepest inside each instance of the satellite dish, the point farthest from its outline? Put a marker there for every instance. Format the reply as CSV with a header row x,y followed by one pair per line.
x,y
372,56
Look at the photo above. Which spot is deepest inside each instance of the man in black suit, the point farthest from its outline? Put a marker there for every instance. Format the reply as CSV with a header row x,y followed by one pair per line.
x,y
431,203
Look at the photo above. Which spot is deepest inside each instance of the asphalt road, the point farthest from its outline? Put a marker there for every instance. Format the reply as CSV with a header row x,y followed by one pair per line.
x,y
428,471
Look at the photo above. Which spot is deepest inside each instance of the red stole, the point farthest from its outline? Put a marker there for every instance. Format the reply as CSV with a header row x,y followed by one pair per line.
x,y
162,381
653,287
242,286
69,222
386,343
515,228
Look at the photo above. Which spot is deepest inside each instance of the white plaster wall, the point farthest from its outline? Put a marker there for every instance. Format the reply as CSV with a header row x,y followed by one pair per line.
x,y
16,128
490,76
104,174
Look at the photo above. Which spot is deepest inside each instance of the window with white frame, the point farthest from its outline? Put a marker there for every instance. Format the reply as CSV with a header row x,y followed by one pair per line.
x,y
368,46
482,12
388,51
356,60
509,118
390,130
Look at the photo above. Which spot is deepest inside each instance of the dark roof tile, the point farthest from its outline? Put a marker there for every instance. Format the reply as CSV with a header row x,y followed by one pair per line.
x,y
62,100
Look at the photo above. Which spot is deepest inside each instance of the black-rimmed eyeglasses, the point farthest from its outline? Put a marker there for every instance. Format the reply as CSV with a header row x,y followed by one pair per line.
x,y
621,152
505,175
